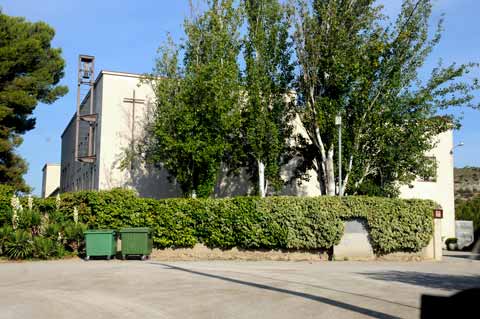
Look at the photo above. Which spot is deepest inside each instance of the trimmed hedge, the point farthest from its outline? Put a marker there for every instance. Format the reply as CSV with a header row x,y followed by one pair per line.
x,y
252,222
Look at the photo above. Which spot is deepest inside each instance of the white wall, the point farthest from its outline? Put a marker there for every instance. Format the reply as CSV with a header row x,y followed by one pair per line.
x,y
51,179
115,137
441,190
77,176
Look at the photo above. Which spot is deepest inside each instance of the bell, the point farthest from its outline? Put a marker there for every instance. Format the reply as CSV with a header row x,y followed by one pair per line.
x,y
86,74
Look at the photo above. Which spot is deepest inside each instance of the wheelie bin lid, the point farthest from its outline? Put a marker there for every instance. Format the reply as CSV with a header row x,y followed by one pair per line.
x,y
99,231
135,230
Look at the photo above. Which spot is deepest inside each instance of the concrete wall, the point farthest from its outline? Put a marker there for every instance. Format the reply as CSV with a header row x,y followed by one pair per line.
x,y
115,138
51,179
77,176
442,189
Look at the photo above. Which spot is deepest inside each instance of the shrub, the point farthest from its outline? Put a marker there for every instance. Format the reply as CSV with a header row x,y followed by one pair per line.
x,y
44,248
19,245
469,210
252,222
73,236
451,241
6,232
29,220
53,231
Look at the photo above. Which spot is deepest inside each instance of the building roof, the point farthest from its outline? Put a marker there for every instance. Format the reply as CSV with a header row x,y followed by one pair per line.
x,y
50,164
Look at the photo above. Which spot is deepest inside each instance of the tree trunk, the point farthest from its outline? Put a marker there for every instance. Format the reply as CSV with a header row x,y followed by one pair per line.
x,y
261,178
330,173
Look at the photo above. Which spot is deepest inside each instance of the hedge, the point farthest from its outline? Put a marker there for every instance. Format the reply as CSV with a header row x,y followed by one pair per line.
x,y
252,222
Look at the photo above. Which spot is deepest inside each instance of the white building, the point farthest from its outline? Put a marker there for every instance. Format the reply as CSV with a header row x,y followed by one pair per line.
x,y
120,123
440,188
50,180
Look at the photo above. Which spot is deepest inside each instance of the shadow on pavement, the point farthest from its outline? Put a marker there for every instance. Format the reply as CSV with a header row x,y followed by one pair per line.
x,y
339,304
336,290
463,255
429,280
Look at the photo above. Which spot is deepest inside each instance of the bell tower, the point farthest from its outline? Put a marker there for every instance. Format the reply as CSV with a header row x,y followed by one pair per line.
x,y
86,118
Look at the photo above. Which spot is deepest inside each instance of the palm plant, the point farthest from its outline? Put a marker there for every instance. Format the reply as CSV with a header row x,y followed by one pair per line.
x,y
20,245
43,248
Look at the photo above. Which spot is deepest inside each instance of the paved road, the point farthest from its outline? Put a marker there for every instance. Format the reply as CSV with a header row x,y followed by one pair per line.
x,y
227,289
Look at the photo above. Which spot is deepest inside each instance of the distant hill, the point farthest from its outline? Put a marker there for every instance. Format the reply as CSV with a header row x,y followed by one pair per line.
x,y
467,182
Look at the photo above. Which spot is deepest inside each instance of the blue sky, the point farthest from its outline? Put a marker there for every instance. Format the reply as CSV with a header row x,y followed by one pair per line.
x,y
123,35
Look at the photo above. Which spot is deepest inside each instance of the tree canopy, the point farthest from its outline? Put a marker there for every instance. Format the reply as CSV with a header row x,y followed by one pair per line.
x,y
350,60
266,118
30,70
355,63
197,109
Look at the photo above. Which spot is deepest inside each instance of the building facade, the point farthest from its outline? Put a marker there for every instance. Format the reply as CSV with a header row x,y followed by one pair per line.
x,y
439,188
122,103
50,180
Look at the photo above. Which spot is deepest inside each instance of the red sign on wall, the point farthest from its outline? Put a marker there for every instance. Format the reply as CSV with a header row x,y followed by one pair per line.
x,y
438,213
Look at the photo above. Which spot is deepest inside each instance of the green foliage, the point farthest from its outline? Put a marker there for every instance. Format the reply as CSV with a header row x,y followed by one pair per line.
x,y
5,235
469,210
198,104
29,219
30,70
20,245
243,222
266,119
6,193
74,236
42,232
253,222
353,61
44,248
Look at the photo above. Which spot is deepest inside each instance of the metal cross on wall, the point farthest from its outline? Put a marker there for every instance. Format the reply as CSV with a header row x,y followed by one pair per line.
x,y
134,101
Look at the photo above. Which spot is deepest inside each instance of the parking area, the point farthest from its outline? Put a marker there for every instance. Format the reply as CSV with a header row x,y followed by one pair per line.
x,y
227,289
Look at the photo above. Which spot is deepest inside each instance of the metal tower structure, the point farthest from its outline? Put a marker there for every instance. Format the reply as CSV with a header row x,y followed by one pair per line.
x,y
86,119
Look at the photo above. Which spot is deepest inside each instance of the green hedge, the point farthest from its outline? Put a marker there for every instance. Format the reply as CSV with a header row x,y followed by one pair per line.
x,y
251,222
469,210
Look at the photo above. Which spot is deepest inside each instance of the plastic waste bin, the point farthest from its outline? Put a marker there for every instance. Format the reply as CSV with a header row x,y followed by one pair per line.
x,y
100,242
136,241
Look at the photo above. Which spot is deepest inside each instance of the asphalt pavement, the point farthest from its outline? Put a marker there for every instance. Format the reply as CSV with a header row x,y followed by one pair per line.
x,y
228,289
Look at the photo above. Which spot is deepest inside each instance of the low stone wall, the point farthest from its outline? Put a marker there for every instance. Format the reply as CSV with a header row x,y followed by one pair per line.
x,y
201,252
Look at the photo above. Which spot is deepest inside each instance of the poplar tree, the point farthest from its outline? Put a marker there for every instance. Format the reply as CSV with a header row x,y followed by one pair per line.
x,y
353,62
266,120
197,111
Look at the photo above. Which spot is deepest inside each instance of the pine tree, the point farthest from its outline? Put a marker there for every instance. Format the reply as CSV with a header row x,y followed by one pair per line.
x,y
30,70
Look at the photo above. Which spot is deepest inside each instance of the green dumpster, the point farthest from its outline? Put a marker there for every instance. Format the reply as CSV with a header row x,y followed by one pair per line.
x,y
136,241
100,242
